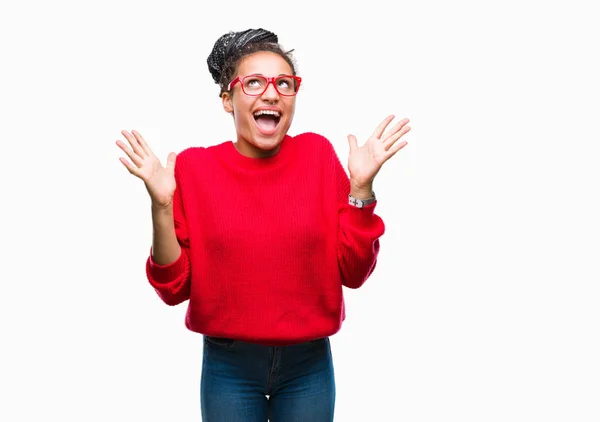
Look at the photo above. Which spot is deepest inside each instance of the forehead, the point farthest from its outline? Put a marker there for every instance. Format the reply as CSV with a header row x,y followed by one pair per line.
x,y
264,62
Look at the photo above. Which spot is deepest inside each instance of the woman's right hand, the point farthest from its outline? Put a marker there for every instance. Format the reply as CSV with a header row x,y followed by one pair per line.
x,y
159,180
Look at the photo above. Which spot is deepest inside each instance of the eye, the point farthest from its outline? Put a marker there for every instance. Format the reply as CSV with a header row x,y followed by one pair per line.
x,y
284,83
253,82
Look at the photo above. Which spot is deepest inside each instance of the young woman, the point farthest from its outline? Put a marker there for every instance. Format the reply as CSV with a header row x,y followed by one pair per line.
x,y
260,235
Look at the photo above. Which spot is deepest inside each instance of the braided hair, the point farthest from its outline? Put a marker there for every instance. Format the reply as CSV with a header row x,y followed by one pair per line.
x,y
231,47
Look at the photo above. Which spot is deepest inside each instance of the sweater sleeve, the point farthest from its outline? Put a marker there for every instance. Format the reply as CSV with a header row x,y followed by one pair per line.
x,y
172,281
359,230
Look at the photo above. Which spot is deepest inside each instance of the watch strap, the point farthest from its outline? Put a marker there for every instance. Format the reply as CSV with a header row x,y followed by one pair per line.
x,y
359,203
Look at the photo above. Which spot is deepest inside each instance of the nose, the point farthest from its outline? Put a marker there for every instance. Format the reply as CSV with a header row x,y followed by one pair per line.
x,y
270,93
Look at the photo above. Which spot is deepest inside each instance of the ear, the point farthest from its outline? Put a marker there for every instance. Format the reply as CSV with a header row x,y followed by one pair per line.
x,y
227,102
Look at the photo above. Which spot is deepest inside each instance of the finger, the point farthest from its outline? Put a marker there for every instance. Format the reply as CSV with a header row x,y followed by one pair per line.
x,y
172,157
130,167
395,129
393,138
136,159
142,142
379,131
135,145
395,149
352,142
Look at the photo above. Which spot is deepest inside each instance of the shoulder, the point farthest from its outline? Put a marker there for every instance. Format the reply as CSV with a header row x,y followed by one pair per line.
x,y
323,151
315,140
200,157
311,137
191,153
189,158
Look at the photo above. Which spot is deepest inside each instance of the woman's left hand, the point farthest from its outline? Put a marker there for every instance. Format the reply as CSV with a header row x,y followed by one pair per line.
x,y
366,161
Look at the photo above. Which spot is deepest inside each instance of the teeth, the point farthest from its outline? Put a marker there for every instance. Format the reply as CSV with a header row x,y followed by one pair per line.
x,y
269,112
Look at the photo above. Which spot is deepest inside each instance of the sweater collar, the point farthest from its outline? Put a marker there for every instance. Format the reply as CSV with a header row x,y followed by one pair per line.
x,y
234,156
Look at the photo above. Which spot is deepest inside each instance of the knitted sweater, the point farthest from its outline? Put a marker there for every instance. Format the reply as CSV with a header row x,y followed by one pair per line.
x,y
266,243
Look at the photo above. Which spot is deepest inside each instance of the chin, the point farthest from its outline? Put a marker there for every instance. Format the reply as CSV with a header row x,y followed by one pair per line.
x,y
268,142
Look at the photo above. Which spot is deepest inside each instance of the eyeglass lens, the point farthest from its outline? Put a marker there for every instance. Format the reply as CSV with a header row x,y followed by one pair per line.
x,y
256,85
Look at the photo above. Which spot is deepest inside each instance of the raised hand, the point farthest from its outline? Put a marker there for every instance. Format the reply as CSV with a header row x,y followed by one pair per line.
x,y
365,162
159,180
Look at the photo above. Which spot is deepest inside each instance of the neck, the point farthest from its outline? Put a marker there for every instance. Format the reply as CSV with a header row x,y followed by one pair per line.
x,y
249,150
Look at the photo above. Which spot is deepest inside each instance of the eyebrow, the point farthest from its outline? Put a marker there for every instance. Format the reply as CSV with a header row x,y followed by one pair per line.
x,y
260,74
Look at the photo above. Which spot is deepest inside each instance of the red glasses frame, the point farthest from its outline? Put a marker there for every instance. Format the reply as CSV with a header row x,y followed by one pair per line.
x,y
272,80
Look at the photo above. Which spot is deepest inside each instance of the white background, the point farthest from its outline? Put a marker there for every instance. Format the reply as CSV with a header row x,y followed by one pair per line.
x,y
484,303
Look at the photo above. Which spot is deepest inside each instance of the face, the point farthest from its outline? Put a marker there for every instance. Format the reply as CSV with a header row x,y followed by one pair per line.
x,y
260,136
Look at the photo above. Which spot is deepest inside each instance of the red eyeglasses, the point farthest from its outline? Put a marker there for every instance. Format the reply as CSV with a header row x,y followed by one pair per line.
x,y
255,85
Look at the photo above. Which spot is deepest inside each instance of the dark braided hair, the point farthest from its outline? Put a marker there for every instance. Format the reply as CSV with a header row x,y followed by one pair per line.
x,y
230,48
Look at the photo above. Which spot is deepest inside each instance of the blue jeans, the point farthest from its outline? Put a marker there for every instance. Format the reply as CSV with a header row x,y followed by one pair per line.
x,y
238,376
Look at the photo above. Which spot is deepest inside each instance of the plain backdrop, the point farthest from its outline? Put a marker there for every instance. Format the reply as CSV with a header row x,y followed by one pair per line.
x,y
484,303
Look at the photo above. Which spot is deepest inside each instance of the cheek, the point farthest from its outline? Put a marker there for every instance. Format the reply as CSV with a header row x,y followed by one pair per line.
x,y
292,104
291,109
241,111
242,119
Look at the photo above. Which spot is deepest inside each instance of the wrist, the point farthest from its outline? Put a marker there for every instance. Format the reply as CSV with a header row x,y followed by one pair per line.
x,y
158,209
361,191
362,194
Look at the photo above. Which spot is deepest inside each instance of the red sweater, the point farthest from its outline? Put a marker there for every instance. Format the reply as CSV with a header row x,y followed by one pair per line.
x,y
267,243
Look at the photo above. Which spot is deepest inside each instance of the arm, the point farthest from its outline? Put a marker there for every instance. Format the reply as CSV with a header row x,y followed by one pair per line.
x,y
359,230
168,266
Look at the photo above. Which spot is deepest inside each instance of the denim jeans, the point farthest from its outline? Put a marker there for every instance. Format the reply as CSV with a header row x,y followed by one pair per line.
x,y
247,382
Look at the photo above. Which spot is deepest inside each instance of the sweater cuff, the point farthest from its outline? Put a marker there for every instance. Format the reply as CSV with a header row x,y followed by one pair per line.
x,y
363,217
166,273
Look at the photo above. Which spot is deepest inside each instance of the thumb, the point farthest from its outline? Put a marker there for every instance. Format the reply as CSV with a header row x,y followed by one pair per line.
x,y
171,161
352,142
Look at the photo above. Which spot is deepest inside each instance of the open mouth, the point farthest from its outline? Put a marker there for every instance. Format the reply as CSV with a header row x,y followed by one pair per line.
x,y
267,121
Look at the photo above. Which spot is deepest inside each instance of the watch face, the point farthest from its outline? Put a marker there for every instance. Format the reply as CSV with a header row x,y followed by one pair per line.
x,y
355,202
359,203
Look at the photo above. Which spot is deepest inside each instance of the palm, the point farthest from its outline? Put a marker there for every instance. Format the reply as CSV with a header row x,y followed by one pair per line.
x,y
365,162
159,180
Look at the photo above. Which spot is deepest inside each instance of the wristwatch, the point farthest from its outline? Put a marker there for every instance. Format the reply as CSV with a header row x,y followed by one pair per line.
x,y
359,203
